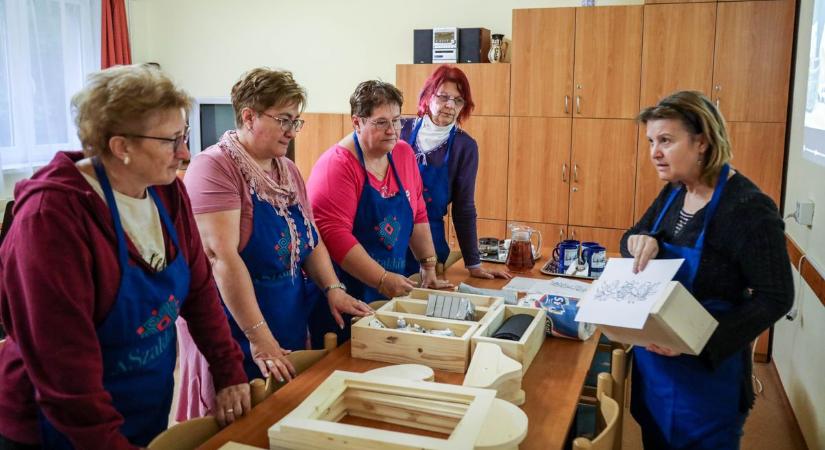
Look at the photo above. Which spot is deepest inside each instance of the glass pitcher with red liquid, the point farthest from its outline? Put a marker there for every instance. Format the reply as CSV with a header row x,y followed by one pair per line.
x,y
522,254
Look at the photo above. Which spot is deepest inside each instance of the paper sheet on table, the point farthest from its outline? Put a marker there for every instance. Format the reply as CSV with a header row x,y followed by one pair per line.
x,y
557,286
624,299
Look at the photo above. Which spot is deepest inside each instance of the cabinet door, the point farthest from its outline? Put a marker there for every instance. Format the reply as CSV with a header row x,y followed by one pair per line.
x,y
489,84
608,238
346,125
491,134
607,71
542,62
319,133
648,183
603,172
752,62
484,228
759,152
678,50
538,169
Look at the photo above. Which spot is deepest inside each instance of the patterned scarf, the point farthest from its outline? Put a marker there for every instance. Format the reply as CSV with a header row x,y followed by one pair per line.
x,y
430,137
279,194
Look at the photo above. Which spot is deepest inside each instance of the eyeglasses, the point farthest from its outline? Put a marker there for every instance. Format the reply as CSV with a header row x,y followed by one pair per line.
x,y
287,124
443,99
383,124
176,141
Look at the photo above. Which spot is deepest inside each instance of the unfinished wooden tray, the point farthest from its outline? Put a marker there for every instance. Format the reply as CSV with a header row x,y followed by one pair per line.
x,y
419,307
450,353
460,413
523,350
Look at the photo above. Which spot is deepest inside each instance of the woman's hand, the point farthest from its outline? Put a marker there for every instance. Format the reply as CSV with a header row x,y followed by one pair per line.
x,y
341,302
480,272
664,351
231,403
430,280
271,358
643,248
395,285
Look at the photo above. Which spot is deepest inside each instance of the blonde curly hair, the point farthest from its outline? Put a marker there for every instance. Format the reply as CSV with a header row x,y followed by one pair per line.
x,y
121,99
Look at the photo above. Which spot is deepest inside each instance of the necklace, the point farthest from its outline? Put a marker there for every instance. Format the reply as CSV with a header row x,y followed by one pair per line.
x,y
379,172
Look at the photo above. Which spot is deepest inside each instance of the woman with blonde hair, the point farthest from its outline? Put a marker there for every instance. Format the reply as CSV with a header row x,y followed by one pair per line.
x,y
257,227
102,257
731,238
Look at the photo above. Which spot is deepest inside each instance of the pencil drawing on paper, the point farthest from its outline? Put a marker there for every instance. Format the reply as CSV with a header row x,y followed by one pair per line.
x,y
626,291
558,282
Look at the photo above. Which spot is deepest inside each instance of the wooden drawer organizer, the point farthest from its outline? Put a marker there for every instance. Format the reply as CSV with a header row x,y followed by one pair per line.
x,y
523,350
450,353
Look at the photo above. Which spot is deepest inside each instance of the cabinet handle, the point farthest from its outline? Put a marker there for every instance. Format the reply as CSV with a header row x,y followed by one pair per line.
x,y
578,104
564,173
575,173
717,102
561,234
567,104
573,234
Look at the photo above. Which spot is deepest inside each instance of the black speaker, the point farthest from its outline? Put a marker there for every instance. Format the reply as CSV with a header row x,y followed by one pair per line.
x,y
423,46
473,45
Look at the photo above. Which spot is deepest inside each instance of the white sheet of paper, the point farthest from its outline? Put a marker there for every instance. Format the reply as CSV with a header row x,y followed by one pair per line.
x,y
557,286
621,298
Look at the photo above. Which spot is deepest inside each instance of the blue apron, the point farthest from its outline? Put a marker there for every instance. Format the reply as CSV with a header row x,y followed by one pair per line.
x,y
282,296
678,401
137,338
383,226
437,192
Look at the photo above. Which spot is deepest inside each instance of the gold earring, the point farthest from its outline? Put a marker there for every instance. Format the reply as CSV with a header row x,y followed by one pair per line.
x,y
126,160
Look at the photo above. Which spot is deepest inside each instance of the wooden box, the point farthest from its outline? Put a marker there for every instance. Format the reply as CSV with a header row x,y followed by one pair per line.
x,y
450,353
419,307
676,321
523,350
483,301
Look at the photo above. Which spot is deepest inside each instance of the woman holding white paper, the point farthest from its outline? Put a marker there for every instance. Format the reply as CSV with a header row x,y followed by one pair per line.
x,y
732,239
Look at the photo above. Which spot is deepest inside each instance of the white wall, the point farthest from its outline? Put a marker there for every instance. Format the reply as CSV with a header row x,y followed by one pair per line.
x,y
330,45
799,346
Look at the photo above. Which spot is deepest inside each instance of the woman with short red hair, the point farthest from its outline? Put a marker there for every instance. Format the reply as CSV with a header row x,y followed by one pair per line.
x,y
448,161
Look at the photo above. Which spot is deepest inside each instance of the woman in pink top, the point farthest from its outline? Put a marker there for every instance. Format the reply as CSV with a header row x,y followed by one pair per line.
x,y
367,195
250,205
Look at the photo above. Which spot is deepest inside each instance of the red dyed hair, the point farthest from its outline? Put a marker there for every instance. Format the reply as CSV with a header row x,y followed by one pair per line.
x,y
442,75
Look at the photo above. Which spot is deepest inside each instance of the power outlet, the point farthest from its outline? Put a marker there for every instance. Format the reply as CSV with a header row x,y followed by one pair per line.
x,y
804,214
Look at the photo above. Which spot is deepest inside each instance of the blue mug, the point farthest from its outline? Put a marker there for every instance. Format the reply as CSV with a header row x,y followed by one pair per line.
x,y
566,254
596,259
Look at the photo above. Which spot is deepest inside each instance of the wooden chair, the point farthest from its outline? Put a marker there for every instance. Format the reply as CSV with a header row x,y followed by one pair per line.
x,y
260,389
610,414
186,435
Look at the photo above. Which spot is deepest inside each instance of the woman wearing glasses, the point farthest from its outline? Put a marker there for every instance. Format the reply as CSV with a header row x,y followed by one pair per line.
x,y
251,207
448,160
367,196
102,257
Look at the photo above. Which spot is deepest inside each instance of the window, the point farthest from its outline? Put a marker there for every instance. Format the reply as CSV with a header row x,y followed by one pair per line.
x,y
54,44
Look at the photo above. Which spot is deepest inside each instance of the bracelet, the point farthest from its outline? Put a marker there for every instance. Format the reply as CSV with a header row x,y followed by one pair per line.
x,y
254,327
381,280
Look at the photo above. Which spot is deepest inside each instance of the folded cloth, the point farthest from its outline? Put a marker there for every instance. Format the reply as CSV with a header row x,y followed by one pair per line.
x,y
514,327
510,297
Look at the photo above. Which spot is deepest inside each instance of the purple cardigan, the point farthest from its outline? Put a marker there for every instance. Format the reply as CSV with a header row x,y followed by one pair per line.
x,y
463,168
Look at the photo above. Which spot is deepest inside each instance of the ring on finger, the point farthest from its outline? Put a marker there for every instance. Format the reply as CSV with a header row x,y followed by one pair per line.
x,y
230,411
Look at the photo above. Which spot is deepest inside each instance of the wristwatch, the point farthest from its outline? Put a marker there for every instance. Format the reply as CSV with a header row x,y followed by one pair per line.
x,y
335,286
430,259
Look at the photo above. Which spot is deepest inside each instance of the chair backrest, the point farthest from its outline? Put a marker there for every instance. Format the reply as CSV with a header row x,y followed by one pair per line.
x,y
610,413
186,435
301,360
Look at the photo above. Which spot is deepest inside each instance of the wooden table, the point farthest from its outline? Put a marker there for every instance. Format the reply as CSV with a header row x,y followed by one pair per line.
x,y
553,385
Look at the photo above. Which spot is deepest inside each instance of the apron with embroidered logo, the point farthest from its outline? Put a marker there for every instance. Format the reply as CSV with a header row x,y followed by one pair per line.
x,y
437,192
678,401
281,294
137,338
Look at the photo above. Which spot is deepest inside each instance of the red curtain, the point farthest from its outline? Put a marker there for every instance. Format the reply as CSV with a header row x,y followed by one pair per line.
x,y
115,31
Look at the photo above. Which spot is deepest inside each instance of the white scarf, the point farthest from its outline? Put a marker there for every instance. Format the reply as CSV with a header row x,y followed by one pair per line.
x,y
431,136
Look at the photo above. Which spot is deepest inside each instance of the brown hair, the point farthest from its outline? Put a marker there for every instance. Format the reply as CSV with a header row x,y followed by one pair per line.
x,y
119,100
264,88
700,118
372,94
